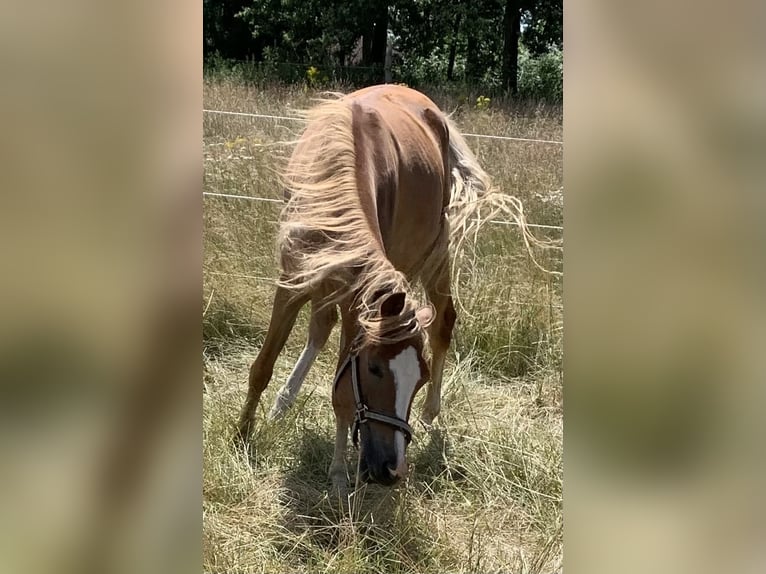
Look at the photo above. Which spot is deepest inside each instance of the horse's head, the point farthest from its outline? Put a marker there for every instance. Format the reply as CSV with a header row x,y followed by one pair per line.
x,y
387,374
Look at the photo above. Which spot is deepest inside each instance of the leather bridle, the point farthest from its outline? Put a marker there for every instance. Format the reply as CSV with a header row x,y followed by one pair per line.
x,y
363,412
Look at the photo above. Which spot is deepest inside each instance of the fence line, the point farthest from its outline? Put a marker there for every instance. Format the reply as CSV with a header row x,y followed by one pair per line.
x,y
242,276
249,115
264,199
305,66
269,200
487,136
279,201
296,119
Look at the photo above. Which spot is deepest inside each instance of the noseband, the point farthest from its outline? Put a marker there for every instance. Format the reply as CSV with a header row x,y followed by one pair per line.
x,y
363,413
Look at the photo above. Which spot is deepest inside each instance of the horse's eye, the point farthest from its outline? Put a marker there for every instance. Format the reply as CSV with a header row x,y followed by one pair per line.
x,y
375,370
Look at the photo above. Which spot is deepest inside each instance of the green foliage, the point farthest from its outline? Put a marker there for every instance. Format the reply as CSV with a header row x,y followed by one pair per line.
x,y
542,77
433,40
482,102
430,69
312,75
543,26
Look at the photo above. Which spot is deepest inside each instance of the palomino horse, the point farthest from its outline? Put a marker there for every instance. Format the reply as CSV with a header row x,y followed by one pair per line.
x,y
377,187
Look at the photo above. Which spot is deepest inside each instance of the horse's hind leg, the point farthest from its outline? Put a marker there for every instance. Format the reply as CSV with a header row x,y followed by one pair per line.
x,y
283,315
440,336
323,319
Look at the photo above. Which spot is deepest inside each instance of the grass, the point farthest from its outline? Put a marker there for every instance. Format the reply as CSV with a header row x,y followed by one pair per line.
x,y
485,489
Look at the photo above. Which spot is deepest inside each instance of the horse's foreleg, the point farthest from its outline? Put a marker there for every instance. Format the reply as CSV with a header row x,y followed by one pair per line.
x,y
440,336
323,319
338,469
283,315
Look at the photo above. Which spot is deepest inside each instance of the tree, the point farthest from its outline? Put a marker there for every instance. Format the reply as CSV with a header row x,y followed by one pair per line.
x,y
375,32
453,46
437,40
224,32
511,35
543,26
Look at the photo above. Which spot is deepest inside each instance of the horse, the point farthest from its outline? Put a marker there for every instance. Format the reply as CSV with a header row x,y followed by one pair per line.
x,y
379,188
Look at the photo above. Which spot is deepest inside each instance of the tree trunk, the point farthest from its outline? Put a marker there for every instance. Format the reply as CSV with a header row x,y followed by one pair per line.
x,y
453,48
375,37
379,36
367,45
234,39
512,32
471,56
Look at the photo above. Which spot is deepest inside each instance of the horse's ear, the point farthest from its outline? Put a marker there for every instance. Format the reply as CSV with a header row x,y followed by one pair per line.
x,y
392,305
425,316
378,295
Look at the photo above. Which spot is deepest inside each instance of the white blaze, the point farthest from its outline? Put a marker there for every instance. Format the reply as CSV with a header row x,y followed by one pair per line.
x,y
406,370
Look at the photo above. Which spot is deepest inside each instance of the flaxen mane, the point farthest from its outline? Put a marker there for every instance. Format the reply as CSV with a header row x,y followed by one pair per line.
x,y
325,241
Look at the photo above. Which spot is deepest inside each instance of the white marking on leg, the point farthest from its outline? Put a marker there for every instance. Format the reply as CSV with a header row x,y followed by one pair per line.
x,y
406,370
288,392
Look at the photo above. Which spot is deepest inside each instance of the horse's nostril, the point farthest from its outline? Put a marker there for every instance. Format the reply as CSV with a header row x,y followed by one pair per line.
x,y
388,476
383,474
398,470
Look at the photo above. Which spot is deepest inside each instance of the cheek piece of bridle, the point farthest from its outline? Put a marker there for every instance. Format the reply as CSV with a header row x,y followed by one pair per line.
x,y
363,413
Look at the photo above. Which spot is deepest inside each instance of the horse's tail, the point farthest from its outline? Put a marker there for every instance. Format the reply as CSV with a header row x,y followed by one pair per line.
x,y
474,200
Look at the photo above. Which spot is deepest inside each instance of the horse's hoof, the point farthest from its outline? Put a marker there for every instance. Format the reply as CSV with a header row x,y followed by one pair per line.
x,y
277,412
339,482
243,434
340,488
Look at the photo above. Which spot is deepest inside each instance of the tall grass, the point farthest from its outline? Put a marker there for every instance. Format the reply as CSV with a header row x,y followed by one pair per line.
x,y
485,488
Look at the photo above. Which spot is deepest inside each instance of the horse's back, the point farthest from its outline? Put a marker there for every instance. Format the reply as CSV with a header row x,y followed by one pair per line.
x,y
402,140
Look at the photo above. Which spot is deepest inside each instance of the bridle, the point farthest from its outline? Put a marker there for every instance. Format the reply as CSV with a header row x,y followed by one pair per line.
x,y
363,412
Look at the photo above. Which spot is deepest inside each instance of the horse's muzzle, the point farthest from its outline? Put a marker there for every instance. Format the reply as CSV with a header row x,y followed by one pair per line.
x,y
381,472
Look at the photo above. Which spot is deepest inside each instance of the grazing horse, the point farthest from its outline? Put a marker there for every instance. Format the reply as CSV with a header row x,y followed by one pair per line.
x,y
379,187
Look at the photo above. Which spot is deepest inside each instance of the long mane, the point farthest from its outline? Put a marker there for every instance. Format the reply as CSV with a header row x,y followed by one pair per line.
x,y
474,200
325,240
326,243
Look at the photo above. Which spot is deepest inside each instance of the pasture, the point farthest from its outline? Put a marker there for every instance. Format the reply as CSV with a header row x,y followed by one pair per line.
x,y
485,490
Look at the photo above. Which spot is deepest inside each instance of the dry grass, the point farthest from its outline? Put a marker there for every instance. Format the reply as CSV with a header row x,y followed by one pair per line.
x,y
486,484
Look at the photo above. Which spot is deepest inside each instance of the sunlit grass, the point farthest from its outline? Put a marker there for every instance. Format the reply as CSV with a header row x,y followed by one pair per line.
x,y
485,489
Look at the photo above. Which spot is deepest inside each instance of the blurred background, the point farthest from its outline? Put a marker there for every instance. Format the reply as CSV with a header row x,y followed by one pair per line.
x,y
665,130
101,221
101,218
